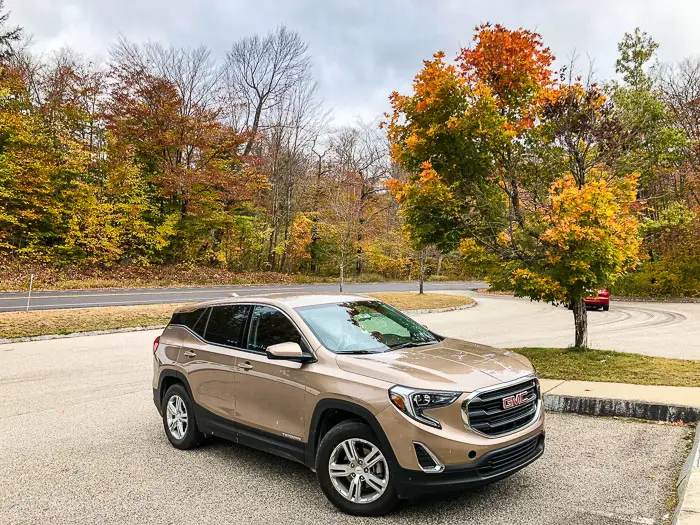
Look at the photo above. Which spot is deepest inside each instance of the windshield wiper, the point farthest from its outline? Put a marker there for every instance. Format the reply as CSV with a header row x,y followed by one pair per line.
x,y
358,351
413,344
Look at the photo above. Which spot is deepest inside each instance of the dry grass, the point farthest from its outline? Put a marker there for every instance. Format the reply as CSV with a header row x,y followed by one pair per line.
x,y
616,367
15,275
67,321
414,301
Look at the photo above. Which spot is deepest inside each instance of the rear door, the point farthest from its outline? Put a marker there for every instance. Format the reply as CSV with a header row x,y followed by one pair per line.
x,y
209,357
270,393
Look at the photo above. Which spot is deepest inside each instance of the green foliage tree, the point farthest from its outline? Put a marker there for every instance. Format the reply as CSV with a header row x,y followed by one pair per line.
x,y
28,210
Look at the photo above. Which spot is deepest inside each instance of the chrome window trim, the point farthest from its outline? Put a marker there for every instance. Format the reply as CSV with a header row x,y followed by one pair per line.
x,y
253,305
439,467
294,324
479,391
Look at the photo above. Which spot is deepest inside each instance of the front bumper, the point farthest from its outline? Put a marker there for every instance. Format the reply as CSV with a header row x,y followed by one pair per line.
x,y
492,466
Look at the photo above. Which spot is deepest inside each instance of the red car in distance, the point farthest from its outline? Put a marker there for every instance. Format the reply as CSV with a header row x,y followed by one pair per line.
x,y
601,300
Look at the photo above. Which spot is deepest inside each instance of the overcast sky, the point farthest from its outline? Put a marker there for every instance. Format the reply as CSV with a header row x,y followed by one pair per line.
x,y
363,49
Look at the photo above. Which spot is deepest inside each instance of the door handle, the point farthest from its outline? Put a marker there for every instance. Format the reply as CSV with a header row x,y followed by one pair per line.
x,y
189,353
245,366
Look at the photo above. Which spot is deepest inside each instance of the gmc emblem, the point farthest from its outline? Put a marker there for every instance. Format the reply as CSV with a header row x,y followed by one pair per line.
x,y
514,400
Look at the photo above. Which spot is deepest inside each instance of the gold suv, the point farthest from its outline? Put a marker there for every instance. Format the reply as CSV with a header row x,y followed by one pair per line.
x,y
380,407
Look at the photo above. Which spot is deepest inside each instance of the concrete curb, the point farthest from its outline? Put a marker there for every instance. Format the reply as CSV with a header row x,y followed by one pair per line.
x,y
80,334
688,510
440,310
592,406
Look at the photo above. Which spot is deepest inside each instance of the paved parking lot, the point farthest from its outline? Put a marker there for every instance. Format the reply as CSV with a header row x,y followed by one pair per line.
x,y
80,442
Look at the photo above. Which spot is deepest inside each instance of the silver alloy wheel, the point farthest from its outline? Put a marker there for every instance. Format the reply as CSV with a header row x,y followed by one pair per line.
x,y
358,470
176,416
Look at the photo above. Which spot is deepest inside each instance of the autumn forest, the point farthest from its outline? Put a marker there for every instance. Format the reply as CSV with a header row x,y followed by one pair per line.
x,y
494,165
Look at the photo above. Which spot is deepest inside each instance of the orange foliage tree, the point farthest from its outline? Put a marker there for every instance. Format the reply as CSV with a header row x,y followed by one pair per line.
x,y
471,134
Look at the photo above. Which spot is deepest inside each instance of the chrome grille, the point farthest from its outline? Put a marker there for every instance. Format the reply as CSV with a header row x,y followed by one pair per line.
x,y
487,411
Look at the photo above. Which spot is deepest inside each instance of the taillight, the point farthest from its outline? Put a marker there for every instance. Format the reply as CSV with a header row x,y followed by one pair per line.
x,y
156,341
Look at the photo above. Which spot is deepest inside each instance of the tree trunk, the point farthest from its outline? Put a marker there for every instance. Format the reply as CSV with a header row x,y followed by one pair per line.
x,y
421,274
342,266
439,265
358,260
254,127
580,323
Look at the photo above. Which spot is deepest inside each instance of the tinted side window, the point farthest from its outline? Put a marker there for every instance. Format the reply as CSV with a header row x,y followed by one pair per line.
x,y
268,327
195,320
226,325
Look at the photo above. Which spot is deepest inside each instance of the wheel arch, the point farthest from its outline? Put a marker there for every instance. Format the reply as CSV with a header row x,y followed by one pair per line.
x,y
169,377
331,408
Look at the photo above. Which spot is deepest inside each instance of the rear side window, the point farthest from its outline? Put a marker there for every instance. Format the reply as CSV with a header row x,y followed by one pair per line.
x,y
195,320
269,327
226,325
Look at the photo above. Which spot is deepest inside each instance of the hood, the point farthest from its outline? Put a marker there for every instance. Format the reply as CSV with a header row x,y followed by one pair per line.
x,y
451,364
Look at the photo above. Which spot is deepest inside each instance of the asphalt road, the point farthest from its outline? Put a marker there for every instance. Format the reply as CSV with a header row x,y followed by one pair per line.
x,y
82,443
15,301
657,329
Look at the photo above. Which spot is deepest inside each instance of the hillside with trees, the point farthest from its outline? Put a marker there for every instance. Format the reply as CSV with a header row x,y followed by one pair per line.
x,y
162,156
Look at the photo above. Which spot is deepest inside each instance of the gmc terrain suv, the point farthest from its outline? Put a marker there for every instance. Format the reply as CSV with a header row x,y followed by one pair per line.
x,y
378,406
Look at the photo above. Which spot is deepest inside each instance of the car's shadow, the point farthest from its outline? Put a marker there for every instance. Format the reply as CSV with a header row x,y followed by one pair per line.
x,y
282,473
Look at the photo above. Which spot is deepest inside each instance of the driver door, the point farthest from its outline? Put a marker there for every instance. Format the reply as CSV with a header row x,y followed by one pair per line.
x,y
270,393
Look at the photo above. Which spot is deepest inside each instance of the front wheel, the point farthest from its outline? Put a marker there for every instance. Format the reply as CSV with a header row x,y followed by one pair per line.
x,y
353,471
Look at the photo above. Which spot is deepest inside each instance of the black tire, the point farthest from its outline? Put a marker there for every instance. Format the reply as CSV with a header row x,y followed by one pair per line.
x,y
606,307
336,435
192,436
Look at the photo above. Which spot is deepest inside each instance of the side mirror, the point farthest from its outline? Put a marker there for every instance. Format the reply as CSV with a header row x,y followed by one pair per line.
x,y
285,351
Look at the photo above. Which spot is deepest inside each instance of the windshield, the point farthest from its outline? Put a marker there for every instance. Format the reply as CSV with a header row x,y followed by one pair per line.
x,y
363,326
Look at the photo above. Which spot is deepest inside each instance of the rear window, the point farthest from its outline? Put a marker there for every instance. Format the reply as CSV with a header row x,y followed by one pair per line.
x,y
195,320
226,325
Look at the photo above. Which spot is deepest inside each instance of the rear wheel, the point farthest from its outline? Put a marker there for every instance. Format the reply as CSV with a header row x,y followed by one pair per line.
x,y
178,419
606,307
353,471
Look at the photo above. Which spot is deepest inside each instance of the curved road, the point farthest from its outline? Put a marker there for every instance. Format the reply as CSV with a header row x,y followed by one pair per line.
x,y
658,329
17,301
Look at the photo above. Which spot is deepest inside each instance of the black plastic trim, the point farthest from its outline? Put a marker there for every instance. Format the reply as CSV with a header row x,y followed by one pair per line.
x,y
414,483
326,405
158,392
214,425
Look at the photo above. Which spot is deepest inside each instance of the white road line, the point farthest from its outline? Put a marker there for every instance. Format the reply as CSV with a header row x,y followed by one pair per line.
x,y
67,306
225,291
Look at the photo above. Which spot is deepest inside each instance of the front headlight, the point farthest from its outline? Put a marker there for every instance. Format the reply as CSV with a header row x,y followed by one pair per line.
x,y
413,402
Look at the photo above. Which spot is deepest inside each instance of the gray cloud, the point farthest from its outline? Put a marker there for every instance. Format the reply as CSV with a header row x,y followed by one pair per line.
x,y
363,49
